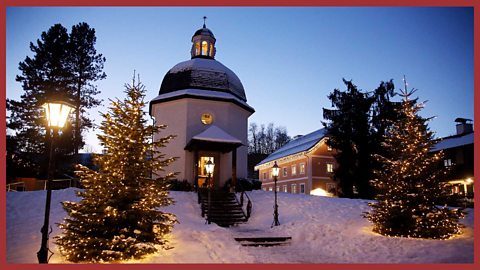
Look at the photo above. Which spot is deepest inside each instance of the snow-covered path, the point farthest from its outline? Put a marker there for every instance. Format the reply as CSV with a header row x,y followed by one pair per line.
x,y
323,230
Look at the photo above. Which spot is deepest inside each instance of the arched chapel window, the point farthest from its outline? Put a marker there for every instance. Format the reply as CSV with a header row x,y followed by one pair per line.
x,y
204,48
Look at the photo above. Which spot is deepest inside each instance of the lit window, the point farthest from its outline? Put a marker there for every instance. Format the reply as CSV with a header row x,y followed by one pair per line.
x,y
204,48
447,162
302,188
270,189
264,189
294,188
294,169
330,167
197,48
329,148
285,188
211,50
302,168
284,171
278,188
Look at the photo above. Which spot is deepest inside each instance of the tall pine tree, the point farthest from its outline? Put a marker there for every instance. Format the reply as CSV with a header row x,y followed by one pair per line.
x,y
348,131
63,65
118,217
86,66
409,182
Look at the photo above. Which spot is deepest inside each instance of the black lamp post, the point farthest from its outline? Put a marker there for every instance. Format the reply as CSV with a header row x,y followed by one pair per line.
x,y
275,171
57,114
209,166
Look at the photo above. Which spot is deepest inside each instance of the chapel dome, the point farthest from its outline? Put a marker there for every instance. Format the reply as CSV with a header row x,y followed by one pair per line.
x,y
202,73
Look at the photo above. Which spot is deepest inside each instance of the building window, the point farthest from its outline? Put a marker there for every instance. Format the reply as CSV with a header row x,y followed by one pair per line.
x,y
204,48
302,188
278,188
197,48
302,168
294,188
285,188
447,162
330,167
264,176
294,169
264,189
329,148
270,189
284,171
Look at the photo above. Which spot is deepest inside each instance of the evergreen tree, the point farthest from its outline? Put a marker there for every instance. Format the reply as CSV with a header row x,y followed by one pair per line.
x,y
43,76
409,182
348,130
86,66
63,65
118,217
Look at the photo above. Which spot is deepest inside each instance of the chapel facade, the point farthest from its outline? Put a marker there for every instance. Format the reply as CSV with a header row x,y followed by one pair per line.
x,y
203,103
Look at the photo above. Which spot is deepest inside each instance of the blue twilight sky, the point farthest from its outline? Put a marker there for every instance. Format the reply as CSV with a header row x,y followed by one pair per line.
x,y
288,58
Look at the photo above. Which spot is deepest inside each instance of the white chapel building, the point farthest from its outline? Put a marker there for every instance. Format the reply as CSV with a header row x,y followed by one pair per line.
x,y
203,103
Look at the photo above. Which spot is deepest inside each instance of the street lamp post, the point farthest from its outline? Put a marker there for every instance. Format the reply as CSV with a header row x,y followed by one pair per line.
x,y
275,171
209,168
57,114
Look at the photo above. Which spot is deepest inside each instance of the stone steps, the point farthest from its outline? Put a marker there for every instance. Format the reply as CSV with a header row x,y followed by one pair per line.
x,y
263,241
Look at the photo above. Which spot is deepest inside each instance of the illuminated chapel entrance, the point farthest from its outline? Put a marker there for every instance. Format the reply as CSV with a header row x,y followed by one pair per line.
x,y
202,175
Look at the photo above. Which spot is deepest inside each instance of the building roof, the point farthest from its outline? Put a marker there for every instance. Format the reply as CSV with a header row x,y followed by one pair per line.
x,y
213,138
301,144
216,134
204,31
202,73
454,141
200,94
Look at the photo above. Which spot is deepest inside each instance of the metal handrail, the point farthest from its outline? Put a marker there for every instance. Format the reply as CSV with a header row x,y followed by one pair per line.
x,y
249,206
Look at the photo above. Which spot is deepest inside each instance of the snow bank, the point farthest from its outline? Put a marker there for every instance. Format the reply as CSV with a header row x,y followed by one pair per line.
x,y
323,230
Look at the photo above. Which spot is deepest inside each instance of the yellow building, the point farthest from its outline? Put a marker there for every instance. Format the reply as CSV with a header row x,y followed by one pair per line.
x,y
306,166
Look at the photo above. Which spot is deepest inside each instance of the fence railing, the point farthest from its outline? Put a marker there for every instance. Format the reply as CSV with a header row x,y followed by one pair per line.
x,y
14,187
42,185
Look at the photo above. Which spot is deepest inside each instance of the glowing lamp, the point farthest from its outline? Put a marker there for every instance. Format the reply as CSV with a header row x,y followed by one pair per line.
x,y
469,180
57,113
275,169
209,166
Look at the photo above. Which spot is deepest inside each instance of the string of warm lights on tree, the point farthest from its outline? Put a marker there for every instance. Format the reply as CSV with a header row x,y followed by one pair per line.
x,y
409,185
118,217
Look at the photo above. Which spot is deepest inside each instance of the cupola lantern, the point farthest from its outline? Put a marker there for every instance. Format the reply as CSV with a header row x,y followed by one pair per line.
x,y
203,43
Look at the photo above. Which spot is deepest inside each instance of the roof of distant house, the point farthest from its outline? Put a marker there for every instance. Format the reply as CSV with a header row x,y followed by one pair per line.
x,y
301,144
454,141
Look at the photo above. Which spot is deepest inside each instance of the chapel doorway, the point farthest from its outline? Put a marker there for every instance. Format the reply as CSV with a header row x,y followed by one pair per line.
x,y
202,170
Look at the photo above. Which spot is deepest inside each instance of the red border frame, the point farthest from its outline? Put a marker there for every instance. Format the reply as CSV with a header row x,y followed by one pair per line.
x,y
6,3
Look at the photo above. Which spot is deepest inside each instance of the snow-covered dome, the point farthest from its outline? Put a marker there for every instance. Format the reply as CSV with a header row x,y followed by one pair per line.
x,y
202,71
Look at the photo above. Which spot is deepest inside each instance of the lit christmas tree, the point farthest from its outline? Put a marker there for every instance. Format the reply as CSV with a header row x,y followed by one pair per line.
x,y
118,217
409,184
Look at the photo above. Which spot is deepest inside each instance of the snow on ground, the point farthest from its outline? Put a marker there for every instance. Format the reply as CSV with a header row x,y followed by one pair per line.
x,y
323,230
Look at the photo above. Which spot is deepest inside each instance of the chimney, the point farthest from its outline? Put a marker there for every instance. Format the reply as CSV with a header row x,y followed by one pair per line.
x,y
464,126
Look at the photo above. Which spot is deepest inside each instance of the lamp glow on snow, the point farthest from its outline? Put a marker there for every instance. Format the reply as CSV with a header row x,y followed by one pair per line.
x,y
57,114
275,171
